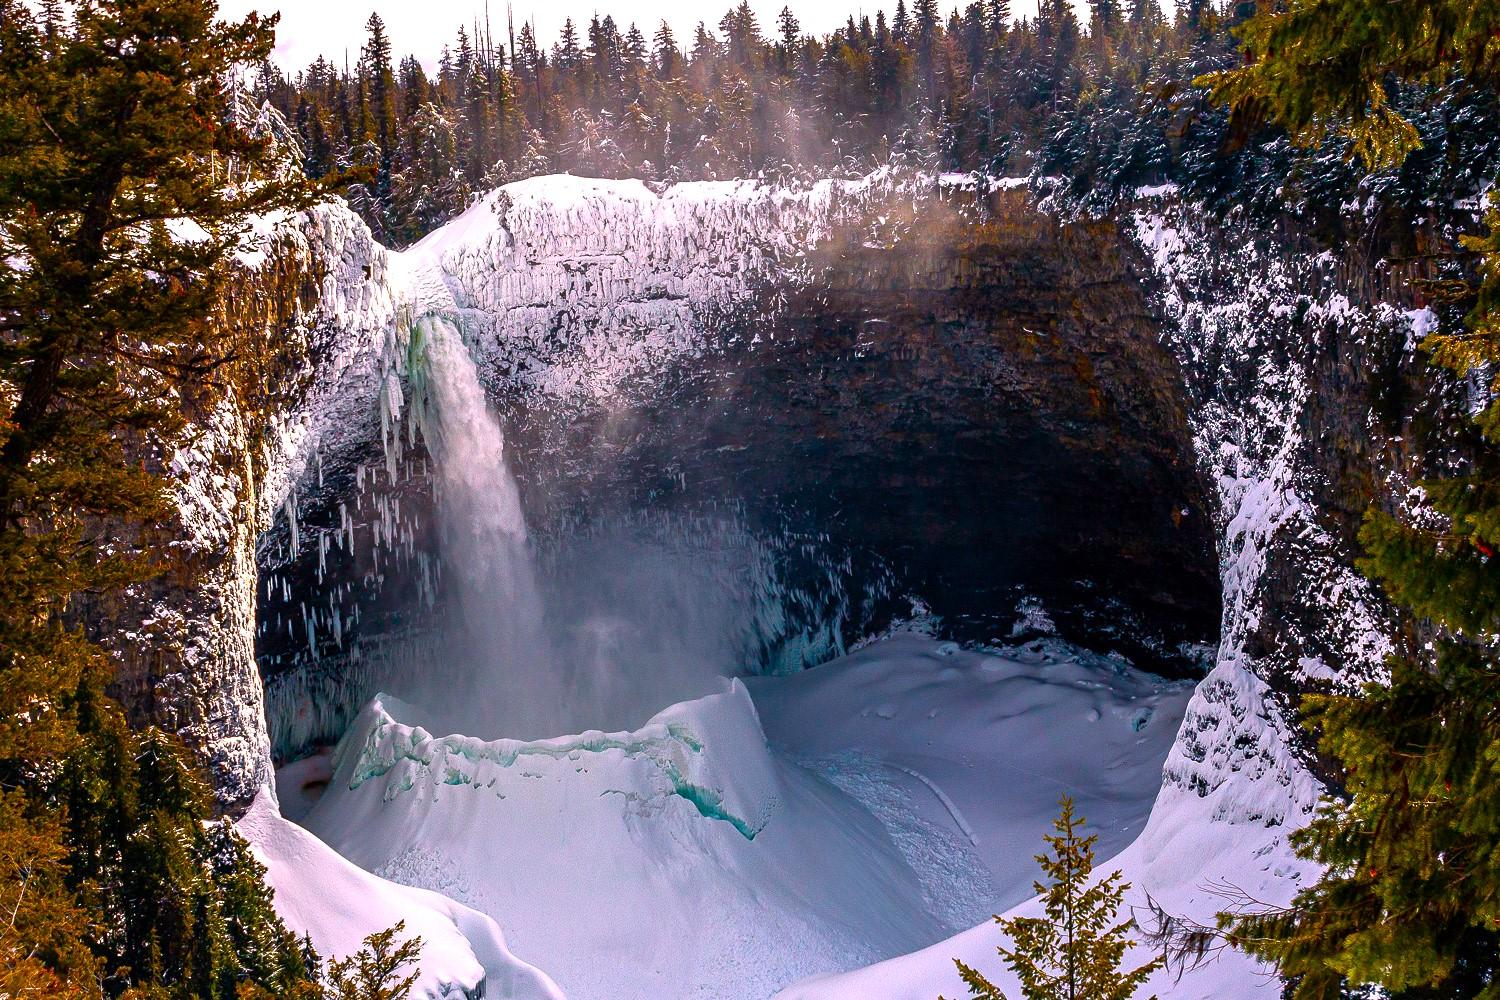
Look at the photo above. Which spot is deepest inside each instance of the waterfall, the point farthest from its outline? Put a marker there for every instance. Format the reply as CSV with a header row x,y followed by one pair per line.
x,y
599,627
502,675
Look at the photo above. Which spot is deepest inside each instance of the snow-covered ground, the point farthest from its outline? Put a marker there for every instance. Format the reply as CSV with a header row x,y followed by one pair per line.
x,y
735,844
337,904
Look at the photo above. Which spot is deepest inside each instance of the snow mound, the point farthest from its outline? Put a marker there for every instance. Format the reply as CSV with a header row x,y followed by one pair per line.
x,y
897,801
684,858
321,894
986,743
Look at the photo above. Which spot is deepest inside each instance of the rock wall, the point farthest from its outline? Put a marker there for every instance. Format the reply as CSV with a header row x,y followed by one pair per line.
x,y
945,395
985,403
990,396
304,315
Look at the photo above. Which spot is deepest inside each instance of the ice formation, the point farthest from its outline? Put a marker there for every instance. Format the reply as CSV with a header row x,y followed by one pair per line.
x,y
691,857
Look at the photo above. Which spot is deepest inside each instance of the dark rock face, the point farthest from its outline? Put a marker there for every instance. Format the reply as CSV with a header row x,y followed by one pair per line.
x,y
965,411
959,402
183,643
985,407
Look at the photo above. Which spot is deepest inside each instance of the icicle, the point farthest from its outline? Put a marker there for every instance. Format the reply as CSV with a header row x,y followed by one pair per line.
x,y
291,520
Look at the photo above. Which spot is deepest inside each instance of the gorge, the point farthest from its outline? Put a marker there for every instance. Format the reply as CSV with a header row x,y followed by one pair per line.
x,y
1115,461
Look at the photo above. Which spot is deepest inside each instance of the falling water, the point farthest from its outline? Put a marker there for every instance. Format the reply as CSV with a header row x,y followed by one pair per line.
x,y
502,678
607,624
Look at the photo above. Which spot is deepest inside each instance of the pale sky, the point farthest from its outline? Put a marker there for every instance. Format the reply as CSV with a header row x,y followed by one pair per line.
x,y
421,27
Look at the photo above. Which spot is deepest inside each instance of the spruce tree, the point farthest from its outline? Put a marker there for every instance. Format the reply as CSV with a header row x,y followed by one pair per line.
x,y
664,50
1410,897
1074,952
901,23
1321,66
124,183
375,972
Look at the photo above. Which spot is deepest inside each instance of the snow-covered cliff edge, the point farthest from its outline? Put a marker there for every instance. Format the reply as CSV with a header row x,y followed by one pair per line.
x,y
305,319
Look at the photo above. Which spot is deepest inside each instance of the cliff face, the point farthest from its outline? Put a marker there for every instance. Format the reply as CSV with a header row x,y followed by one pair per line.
x,y
978,398
308,305
950,393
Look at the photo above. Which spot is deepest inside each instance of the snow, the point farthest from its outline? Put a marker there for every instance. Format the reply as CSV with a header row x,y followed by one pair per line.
x,y
732,846
575,285
319,893
878,823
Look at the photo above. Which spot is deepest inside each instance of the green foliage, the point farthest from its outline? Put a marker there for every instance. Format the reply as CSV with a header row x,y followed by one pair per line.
x,y
375,971
978,91
1410,897
1324,66
1075,951
181,908
124,184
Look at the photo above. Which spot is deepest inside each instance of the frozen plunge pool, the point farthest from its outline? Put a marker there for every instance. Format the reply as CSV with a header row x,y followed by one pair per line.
x,y
781,828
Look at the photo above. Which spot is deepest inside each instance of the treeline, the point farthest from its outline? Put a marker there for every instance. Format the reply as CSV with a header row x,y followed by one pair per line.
x,y
969,90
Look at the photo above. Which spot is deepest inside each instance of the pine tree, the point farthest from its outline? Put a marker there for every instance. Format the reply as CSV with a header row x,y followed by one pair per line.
x,y
375,971
117,126
635,51
901,23
1106,15
1074,952
566,54
664,50
1410,896
1320,65
741,31
378,80
789,31
999,17
479,128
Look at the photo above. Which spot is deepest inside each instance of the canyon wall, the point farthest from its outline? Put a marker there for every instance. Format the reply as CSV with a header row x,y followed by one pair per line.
x,y
303,320
1145,422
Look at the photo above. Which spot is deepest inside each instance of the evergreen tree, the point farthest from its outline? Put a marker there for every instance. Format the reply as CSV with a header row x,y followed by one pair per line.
x,y
705,45
1106,14
741,31
1320,65
479,128
375,64
566,54
664,50
117,125
790,31
999,17
375,971
1074,952
1410,897
635,51
901,23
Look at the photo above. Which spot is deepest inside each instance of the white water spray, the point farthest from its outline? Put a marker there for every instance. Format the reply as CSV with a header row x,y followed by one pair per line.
x,y
620,618
502,677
